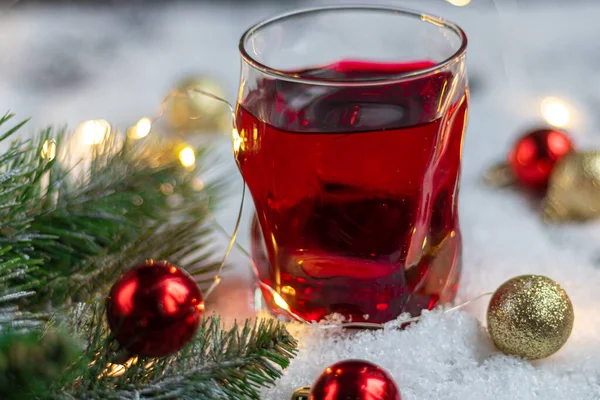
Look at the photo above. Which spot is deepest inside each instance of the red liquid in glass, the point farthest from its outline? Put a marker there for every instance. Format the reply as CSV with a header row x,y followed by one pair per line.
x,y
355,189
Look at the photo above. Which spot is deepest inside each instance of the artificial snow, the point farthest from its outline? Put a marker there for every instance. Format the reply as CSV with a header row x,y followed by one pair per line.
x,y
63,65
444,357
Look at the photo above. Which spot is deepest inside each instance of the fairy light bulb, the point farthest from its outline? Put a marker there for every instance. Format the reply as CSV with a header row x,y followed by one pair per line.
x,y
48,149
459,3
555,112
142,128
94,131
197,184
187,157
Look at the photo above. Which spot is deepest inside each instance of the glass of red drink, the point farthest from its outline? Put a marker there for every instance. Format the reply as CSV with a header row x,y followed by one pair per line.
x,y
349,129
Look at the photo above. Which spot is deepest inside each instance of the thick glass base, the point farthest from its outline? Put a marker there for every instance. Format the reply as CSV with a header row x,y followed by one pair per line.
x,y
315,285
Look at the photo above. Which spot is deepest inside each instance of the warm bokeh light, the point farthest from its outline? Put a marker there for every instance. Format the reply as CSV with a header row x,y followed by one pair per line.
x,y
459,3
137,200
167,189
49,149
237,140
94,131
187,157
142,128
197,184
115,370
555,112
281,303
288,290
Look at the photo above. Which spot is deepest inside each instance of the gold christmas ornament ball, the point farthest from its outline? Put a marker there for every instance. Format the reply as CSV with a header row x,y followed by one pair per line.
x,y
574,188
530,316
194,112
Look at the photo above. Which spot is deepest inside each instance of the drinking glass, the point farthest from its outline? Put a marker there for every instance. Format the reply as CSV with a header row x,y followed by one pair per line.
x,y
349,129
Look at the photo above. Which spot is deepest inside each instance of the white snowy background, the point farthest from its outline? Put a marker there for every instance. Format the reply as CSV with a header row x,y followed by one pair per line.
x,y
64,65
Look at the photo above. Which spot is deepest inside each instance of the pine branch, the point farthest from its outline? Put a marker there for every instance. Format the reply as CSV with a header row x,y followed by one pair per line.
x,y
219,364
31,362
67,230
20,272
174,242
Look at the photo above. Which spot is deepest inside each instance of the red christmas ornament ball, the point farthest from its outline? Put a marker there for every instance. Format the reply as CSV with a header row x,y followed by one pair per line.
x,y
154,309
534,155
354,380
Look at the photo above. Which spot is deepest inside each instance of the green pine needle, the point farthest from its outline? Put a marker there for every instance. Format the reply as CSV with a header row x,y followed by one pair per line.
x,y
32,363
219,363
68,230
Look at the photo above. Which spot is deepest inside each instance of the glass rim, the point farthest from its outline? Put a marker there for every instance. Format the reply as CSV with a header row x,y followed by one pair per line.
x,y
290,76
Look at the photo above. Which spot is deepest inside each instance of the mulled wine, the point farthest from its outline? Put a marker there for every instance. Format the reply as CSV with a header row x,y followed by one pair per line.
x,y
355,189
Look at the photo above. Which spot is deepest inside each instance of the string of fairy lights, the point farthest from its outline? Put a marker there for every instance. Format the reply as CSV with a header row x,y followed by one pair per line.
x,y
555,111
95,132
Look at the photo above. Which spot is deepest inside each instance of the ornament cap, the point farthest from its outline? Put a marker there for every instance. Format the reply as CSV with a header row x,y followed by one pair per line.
x,y
554,212
499,175
301,393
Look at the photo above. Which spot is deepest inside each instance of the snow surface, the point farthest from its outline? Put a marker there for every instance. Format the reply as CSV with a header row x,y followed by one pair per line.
x,y
68,65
